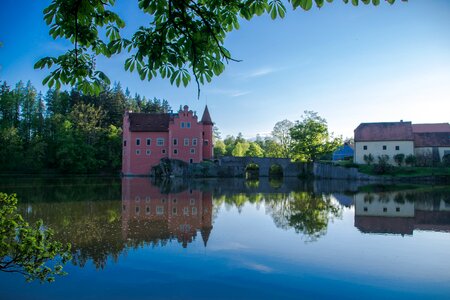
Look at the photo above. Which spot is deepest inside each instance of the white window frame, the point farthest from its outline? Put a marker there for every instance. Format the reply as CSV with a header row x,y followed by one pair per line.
x,y
194,142
160,142
186,142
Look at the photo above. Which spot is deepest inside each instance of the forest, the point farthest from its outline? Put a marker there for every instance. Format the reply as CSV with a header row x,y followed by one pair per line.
x,y
65,131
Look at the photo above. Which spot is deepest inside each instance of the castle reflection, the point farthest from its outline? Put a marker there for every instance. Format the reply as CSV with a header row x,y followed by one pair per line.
x,y
149,215
402,212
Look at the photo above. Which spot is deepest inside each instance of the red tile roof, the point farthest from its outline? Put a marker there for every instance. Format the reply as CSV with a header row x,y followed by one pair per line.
x,y
156,122
437,127
432,139
206,118
388,131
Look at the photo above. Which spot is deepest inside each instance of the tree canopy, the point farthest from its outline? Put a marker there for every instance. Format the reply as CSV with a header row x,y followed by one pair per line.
x,y
311,139
183,40
28,250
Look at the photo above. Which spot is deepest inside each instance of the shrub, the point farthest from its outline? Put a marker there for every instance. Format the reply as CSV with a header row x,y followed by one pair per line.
x,y
410,160
383,166
368,159
424,159
399,158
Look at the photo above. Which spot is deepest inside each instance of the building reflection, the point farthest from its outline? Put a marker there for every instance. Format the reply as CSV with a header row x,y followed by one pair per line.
x,y
402,212
151,216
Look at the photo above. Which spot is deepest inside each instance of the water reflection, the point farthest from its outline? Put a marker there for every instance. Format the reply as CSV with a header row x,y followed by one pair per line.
x,y
151,216
103,219
402,212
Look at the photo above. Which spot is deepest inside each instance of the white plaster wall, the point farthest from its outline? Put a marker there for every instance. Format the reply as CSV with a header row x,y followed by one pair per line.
x,y
376,149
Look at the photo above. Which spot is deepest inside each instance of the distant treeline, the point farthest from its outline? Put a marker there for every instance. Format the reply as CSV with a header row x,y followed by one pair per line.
x,y
65,131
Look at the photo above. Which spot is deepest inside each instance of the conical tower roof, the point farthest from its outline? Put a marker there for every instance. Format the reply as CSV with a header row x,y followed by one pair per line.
x,y
205,231
206,118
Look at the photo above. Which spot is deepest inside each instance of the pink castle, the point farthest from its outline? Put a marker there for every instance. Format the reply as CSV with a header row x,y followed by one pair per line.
x,y
149,137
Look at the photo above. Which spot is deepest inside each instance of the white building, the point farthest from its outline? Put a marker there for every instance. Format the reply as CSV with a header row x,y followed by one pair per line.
x,y
391,138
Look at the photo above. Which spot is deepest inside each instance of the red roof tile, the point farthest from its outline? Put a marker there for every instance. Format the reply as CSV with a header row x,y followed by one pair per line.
x,y
156,122
388,131
432,139
206,118
437,127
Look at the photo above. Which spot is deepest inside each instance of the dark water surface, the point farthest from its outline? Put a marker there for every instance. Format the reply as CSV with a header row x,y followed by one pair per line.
x,y
232,239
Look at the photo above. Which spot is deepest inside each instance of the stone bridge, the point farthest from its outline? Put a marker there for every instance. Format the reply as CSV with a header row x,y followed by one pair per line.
x,y
238,165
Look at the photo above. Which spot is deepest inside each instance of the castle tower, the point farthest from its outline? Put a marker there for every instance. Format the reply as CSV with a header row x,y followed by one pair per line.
x,y
207,134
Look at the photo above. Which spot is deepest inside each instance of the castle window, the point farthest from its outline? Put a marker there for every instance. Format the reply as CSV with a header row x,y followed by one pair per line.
x,y
148,152
186,142
149,142
397,209
397,148
364,147
206,143
138,152
194,142
174,211
125,143
159,210
384,147
174,200
384,209
175,142
147,210
163,151
160,141
137,209
188,124
175,151
138,142
192,201
186,211
182,124
194,210
191,161
192,151
365,208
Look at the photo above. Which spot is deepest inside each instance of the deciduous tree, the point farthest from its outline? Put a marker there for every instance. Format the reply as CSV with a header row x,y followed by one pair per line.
x,y
311,139
183,39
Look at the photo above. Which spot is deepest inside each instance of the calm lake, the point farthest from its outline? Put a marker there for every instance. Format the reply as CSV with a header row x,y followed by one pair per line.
x,y
233,239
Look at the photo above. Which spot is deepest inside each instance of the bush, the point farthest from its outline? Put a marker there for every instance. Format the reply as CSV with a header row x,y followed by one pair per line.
x,y
383,166
399,158
368,159
410,160
424,159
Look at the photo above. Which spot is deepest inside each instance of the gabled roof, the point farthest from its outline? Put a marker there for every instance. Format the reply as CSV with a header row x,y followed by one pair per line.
x,y
156,122
206,118
387,131
437,127
432,139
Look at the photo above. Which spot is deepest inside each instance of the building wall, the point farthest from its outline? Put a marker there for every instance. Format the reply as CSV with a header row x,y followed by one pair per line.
x,y
139,159
429,151
376,149
208,147
192,152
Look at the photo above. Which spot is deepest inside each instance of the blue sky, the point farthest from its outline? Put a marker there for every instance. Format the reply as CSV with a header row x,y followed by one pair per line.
x,y
349,64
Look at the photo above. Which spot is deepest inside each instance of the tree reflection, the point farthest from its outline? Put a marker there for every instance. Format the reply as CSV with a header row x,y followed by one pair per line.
x,y
307,213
